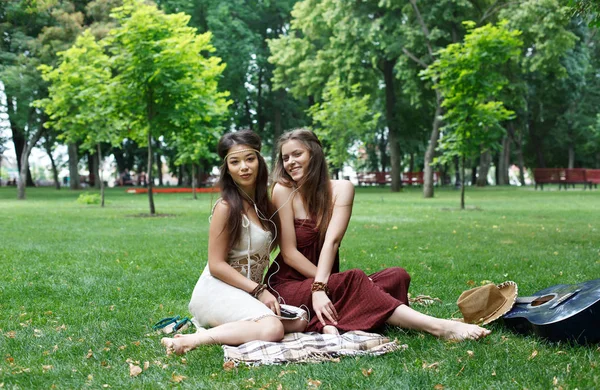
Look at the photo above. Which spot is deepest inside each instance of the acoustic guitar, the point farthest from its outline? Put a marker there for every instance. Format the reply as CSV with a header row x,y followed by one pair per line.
x,y
561,312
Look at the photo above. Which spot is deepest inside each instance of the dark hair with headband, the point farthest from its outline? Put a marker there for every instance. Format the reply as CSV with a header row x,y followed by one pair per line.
x,y
230,192
315,186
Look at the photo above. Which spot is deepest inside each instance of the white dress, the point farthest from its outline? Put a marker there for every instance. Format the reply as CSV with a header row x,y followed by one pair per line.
x,y
215,302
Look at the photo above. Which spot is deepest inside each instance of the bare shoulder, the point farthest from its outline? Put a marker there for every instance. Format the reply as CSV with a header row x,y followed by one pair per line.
x,y
281,192
220,208
343,191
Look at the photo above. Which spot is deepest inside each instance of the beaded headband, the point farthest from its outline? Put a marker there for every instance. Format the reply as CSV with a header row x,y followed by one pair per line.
x,y
240,151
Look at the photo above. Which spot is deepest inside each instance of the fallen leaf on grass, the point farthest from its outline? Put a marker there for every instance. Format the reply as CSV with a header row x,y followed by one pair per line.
x,y
10,359
122,347
533,354
368,372
494,373
470,283
228,366
136,343
89,354
279,387
62,327
313,383
470,353
134,370
431,366
555,381
11,334
177,378
146,365
106,385
37,333
439,386
282,373
90,377
47,367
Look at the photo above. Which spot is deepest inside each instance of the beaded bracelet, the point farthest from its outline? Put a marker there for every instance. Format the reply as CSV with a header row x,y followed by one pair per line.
x,y
258,289
319,286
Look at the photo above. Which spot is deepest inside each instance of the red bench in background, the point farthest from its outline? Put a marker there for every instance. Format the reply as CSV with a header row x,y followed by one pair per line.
x,y
416,178
374,178
547,176
565,176
593,177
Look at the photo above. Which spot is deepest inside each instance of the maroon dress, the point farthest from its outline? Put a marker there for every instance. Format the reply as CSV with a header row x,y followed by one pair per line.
x,y
361,303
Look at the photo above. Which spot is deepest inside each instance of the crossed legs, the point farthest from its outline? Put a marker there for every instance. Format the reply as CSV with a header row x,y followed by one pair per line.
x,y
233,333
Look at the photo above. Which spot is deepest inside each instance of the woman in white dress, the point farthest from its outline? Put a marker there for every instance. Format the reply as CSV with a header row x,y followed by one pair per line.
x,y
229,296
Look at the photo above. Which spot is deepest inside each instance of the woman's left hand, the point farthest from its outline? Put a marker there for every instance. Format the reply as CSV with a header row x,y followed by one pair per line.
x,y
270,301
323,306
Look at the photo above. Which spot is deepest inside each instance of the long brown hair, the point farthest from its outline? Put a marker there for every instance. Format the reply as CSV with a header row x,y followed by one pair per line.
x,y
230,192
315,186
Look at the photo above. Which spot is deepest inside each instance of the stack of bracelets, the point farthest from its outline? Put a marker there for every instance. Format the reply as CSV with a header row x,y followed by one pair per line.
x,y
319,286
258,289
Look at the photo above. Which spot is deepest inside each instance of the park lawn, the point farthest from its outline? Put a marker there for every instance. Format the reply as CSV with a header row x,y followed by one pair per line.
x,y
80,287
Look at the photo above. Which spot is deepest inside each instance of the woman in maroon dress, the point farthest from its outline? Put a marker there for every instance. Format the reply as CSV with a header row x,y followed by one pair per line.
x,y
314,212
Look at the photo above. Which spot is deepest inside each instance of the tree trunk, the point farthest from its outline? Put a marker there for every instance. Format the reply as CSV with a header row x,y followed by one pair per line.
x,y
260,118
54,167
485,161
248,114
159,164
390,111
73,167
457,178
462,185
19,143
99,178
571,156
180,176
517,138
382,151
194,181
27,147
150,178
96,165
503,162
430,152
473,173
537,145
277,125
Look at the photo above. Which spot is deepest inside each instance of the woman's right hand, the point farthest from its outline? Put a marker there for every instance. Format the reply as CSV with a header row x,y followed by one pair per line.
x,y
270,301
323,307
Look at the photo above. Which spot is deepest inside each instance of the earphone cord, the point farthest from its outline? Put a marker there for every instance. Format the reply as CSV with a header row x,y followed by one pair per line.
x,y
261,216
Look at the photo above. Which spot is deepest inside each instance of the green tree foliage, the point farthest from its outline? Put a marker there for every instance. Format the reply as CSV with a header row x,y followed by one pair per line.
x,y
538,99
342,120
166,78
80,103
470,77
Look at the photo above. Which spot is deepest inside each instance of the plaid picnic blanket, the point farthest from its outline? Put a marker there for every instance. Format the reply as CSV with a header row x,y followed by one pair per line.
x,y
310,348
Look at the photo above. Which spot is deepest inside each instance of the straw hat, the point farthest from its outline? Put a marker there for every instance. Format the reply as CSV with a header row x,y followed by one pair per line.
x,y
482,305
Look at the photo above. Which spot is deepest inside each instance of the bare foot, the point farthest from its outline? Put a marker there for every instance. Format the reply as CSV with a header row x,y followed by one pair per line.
x,y
183,343
459,331
330,329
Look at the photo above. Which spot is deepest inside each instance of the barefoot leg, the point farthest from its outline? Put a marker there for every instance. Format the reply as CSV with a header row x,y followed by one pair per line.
x,y
406,317
233,333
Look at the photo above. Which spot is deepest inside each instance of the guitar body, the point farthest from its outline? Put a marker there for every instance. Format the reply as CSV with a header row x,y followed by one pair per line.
x,y
560,313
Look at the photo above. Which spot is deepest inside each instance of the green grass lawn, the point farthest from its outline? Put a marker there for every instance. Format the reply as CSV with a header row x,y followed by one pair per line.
x,y
80,287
